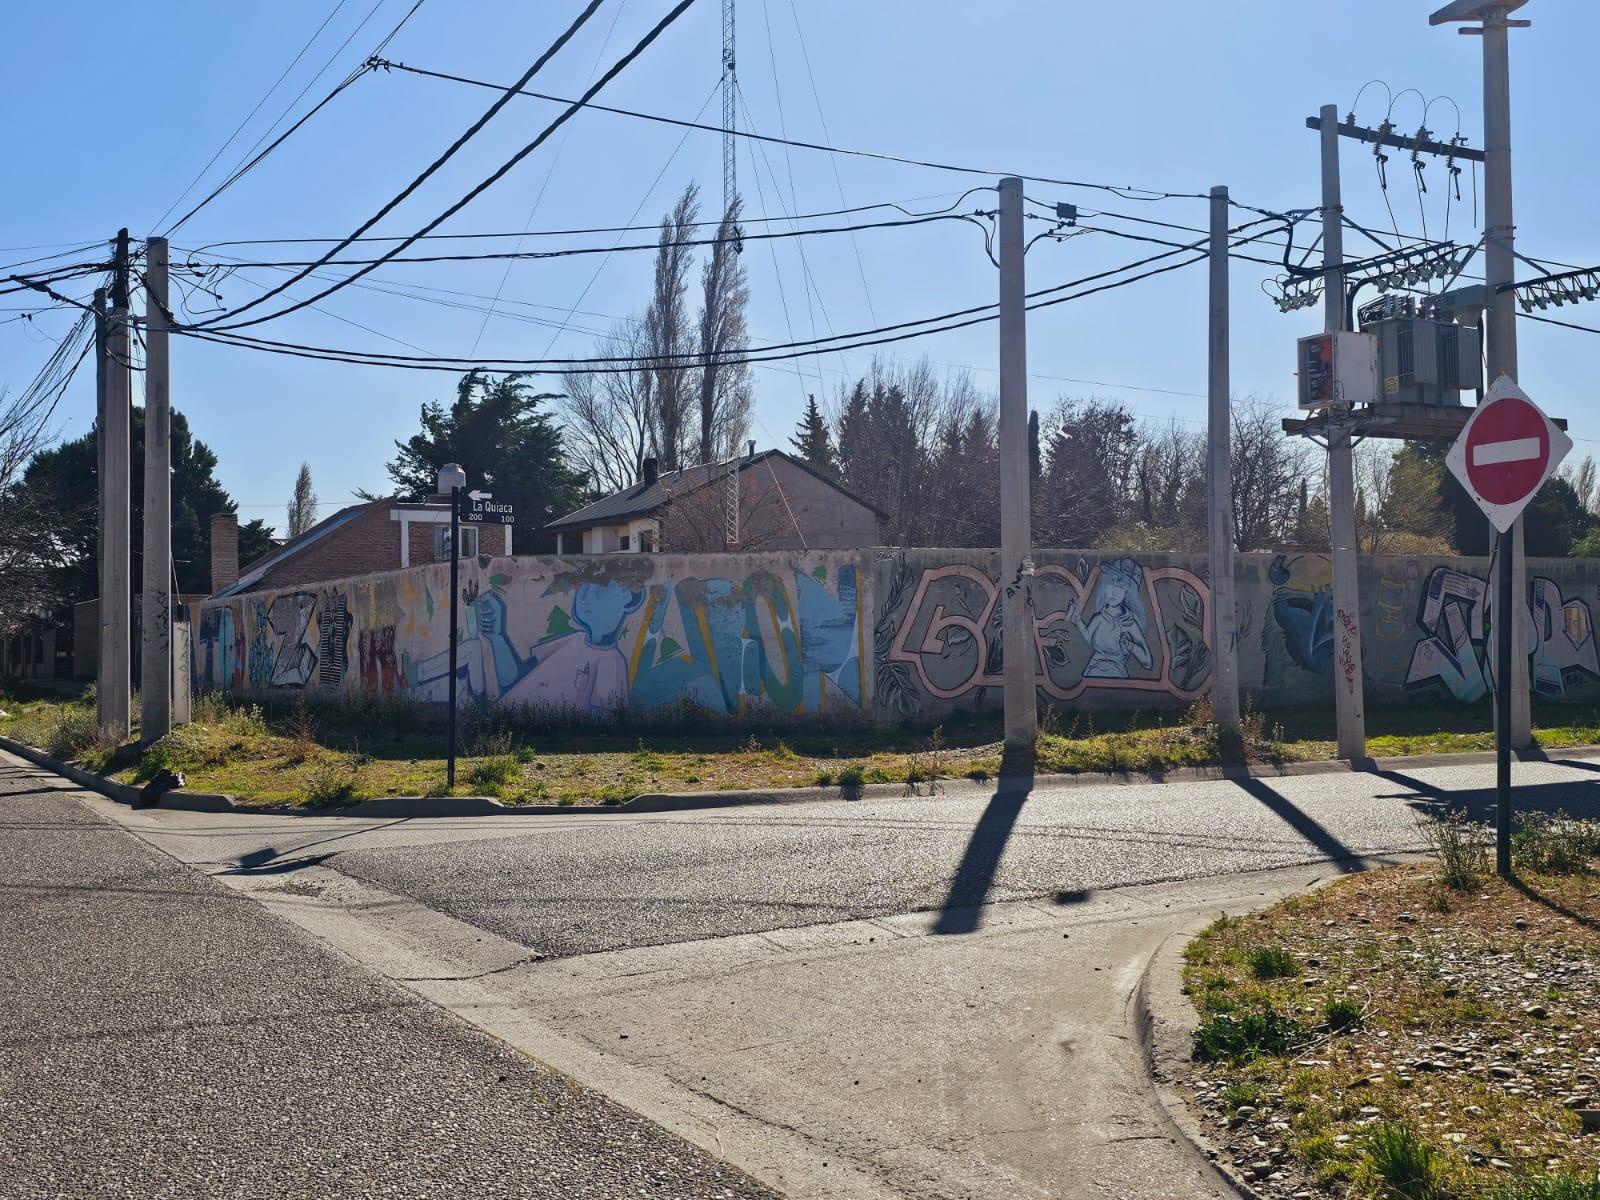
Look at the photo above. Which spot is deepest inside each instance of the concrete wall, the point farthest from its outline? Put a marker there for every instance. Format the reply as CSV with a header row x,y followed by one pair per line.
x,y
589,635
1425,620
897,635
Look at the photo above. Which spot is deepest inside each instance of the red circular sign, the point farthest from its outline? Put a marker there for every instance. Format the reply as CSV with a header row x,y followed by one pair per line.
x,y
1507,451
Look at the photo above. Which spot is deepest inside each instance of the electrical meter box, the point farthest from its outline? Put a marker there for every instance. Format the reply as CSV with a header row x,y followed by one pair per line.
x,y
1337,368
1427,362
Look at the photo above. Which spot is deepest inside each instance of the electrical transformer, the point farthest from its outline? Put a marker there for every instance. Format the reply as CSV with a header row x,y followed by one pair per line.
x,y
1422,360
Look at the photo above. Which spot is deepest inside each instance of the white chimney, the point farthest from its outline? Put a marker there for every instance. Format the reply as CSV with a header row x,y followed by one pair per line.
x,y
451,476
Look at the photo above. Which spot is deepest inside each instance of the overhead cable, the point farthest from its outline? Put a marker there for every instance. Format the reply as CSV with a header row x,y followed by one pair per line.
x,y
1126,191
449,152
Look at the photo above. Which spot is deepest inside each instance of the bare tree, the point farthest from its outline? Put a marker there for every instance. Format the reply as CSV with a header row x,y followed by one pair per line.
x,y
609,416
1268,467
1584,483
668,339
724,386
37,531
302,509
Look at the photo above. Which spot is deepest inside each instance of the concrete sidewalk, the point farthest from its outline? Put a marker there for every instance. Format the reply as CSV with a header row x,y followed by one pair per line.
x,y
163,1036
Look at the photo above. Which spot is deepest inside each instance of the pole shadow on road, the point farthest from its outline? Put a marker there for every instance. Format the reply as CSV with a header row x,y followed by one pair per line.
x,y
962,911
1318,835
1576,797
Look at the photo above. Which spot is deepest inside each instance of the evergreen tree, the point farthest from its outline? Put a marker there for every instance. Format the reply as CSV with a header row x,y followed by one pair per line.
x,y
812,440
495,431
69,474
1035,462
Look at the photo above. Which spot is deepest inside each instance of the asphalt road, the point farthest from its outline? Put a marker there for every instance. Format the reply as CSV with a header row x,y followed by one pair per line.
x,y
566,888
163,1036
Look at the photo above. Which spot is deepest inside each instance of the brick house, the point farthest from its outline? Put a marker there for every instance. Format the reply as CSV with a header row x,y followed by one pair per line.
x,y
784,504
379,535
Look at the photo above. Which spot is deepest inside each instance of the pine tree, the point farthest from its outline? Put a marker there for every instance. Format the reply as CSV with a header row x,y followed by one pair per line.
x,y
812,440
497,433
302,510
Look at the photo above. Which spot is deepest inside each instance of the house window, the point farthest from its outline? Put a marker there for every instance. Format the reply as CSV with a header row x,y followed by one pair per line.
x,y
647,541
469,542
624,542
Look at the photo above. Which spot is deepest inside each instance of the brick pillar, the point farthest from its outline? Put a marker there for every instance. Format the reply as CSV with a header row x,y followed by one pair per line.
x,y
224,550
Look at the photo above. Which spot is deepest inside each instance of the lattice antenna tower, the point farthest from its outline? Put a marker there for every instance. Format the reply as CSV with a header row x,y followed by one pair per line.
x,y
730,85
731,504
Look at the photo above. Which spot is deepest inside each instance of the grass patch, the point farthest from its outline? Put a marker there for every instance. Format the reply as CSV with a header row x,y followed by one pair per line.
x,y
1418,1049
334,782
1404,1166
1271,962
493,775
1244,1037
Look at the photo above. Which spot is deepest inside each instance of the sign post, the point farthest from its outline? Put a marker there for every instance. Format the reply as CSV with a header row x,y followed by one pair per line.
x,y
1503,456
475,508
455,633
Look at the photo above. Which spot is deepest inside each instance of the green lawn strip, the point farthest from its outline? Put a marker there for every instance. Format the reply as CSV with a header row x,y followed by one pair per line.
x,y
1389,1036
355,749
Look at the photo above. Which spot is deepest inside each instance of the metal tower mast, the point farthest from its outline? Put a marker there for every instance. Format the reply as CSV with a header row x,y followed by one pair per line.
x,y
730,181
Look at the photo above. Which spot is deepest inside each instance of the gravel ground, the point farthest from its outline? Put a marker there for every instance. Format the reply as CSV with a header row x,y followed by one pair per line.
x,y
1479,1033
161,1036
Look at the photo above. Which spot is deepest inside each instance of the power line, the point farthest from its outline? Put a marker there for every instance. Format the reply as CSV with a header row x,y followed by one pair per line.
x,y
549,174
249,116
671,360
898,205
450,151
1127,192
1563,324
573,251
251,159
601,365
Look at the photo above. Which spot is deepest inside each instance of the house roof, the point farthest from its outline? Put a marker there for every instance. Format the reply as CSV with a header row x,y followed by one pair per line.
x,y
644,498
253,574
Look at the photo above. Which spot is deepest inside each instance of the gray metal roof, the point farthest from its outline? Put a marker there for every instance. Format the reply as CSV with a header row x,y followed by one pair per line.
x,y
642,499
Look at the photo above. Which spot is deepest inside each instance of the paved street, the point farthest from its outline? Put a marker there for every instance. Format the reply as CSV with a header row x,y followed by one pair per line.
x,y
928,997
162,1036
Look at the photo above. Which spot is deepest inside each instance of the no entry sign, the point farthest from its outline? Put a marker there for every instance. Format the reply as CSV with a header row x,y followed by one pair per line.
x,y
1507,450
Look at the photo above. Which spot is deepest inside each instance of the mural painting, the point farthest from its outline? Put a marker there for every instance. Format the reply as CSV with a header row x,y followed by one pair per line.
x,y
1297,643
1455,657
734,634
586,638
1117,625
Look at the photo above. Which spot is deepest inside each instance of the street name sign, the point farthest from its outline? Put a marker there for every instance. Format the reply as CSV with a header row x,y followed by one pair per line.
x,y
1506,452
481,508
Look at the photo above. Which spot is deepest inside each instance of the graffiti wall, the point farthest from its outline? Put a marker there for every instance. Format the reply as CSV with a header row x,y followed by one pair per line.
x,y
1108,629
585,635
895,635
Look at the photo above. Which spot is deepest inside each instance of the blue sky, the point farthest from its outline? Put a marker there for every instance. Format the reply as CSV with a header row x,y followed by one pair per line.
x,y
111,118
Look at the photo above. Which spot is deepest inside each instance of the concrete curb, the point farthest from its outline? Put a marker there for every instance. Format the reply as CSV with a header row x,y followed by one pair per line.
x,y
395,807
1164,1022
1163,1027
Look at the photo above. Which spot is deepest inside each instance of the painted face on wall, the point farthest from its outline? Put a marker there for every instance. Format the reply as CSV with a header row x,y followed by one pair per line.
x,y
599,610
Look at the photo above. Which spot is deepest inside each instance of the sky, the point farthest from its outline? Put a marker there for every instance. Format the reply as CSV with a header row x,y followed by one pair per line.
x,y
110,121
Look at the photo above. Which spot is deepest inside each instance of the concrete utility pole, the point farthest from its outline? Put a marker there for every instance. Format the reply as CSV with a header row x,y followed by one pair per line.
x,y
155,638
102,644
116,667
1347,672
1219,507
1016,563
1513,718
